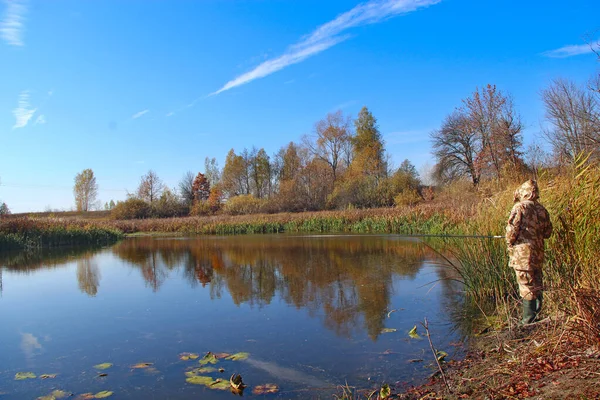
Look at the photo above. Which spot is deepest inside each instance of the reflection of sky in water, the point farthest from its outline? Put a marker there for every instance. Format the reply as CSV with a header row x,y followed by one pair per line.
x,y
309,310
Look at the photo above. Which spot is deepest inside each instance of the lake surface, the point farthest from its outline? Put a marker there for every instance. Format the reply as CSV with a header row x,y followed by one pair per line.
x,y
313,312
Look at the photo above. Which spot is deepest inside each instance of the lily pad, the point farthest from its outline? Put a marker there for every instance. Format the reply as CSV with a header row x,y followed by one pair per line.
x,y
86,396
267,388
238,356
55,395
413,333
199,371
141,365
209,358
48,376
188,356
220,384
103,366
388,330
104,394
222,355
19,376
200,380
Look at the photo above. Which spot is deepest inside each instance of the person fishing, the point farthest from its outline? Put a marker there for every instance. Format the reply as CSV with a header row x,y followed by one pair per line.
x,y
528,226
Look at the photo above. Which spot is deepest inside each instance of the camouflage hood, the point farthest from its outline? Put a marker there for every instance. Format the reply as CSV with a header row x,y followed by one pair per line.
x,y
527,191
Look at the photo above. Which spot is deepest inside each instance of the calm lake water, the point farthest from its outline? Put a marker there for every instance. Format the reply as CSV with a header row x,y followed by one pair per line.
x,y
311,311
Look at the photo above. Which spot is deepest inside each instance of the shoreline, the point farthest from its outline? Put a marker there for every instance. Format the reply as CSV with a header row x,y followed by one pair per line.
x,y
549,359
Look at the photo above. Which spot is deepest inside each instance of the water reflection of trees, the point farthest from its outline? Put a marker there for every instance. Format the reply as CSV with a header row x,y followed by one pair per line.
x,y
28,262
348,278
88,275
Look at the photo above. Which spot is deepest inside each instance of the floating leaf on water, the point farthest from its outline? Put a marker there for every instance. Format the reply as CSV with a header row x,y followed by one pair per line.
x,y
188,356
267,388
102,375
219,384
103,366
413,333
388,330
55,395
222,355
60,394
48,376
238,356
209,358
86,396
200,380
385,392
19,376
102,395
440,354
141,365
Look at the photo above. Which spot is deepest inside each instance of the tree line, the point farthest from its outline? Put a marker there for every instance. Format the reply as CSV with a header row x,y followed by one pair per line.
x,y
344,163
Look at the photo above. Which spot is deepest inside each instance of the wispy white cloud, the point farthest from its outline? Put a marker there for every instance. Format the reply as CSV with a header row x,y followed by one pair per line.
x,y
170,114
572,50
139,114
12,25
41,120
24,112
328,35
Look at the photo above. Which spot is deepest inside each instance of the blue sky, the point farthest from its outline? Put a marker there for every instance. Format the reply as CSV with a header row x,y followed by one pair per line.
x,y
124,86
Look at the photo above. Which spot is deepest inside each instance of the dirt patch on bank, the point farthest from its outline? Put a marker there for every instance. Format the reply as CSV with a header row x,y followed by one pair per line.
x,y
547,360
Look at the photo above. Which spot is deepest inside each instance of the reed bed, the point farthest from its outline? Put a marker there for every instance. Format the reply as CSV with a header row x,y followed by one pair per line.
x,y
31,233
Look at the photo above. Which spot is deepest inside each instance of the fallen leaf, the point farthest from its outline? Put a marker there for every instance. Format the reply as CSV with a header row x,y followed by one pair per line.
x,y
141,365
102,375
19,376
103,394
55,395
267,388
385,392
440,354
85,396
388,330
222,355
103,366
209,358
188,356
238,356
48,376
413,333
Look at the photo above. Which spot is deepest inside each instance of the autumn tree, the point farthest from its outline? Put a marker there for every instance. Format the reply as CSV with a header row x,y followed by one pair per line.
x,y
574,117
201,188
85,190
4,209
186,188
331,141
456,147
236,177
491,115
368,146
150,187
211,171
260,173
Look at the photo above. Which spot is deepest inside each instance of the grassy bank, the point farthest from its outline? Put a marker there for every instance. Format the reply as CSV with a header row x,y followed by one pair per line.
x,y
36,233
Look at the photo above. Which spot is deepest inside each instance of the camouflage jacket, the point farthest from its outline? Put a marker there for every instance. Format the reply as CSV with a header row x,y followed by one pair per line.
x,y
528,225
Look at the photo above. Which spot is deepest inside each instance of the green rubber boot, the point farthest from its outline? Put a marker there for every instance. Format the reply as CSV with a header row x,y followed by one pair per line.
x,y
538,303
528,311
